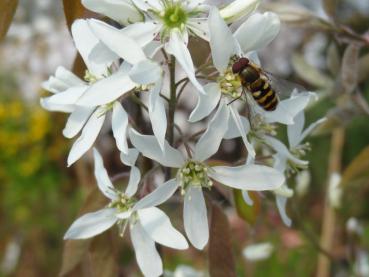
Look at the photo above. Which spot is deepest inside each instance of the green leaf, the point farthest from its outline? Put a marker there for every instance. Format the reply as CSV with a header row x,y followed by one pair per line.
x,y
358,169
310,74
350,68
221,259
75,251
246,212
7,11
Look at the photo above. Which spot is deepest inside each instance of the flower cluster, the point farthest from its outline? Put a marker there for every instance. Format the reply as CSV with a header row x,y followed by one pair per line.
x,y
124,67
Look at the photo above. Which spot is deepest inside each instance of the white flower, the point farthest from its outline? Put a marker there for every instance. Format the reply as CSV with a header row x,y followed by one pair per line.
x,y
84,100
289,159
335,190
184,271
258,252
170,20
238,9
147,225
194,174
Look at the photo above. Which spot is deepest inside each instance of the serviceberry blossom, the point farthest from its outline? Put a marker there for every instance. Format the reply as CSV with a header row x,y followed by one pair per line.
x,y
147,225
195,174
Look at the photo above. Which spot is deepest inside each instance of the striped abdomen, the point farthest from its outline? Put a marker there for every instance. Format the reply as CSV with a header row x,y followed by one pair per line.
x,y
260,88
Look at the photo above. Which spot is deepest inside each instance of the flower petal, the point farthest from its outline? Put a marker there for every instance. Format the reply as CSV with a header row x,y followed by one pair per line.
x,y
222,42
62,80
145,72
87,138
258,31
161,194
288,109
113,87
77,120
158,115
309,129
146,5
281,204
177,47
147,256
85,41
246,197
142,32
149,147
243,132
102,177
209,142
91,224
45,103
130,159
195,217
200,27
233,131
69,96
124,46
206,103
121,11
119,126
158,226
294,131
248,177
238,9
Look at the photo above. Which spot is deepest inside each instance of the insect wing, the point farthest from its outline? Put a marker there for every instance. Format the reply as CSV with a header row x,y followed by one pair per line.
x,y
282,87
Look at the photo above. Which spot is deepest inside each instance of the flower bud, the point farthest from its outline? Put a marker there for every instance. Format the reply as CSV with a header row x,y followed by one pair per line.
x,y
238,9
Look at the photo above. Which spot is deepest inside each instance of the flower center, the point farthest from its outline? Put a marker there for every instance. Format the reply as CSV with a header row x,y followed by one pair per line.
x,y
194,173
230,84
174,16
123,203
90,78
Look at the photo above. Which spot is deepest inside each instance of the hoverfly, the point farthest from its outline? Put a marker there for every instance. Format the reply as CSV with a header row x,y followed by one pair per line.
x,y
255,80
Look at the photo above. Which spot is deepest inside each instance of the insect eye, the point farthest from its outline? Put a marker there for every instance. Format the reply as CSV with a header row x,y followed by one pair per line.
x,y
238,66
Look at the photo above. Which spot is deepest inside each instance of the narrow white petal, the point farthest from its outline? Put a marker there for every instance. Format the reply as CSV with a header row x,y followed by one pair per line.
x,y
145,72
200,27
258,31
77,120
69,96
195,217
146,5
158,226
124,46
142,32
91,224
147,256
68,77
102,55
134,180
150,148
119,126
246,197
309,129
130,157
206,103
281,204
121,11
158,120
233,131
238,9
107,90
222,42
294,131
177,47
158,196
85,41
209,142
248,177
288,109
243,131
102,177
45,103
88,136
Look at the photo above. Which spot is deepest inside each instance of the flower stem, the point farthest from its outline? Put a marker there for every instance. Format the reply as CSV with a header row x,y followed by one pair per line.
x,y
172,100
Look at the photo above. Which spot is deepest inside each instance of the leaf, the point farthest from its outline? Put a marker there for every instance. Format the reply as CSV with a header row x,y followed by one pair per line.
x,y
293,14
246,212
363,68
310,74
221,259
76,250
330,7
103,256
350,68
7,11
358,169
333,59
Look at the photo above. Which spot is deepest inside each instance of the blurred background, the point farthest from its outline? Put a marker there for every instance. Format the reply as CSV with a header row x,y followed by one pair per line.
x,y
323,45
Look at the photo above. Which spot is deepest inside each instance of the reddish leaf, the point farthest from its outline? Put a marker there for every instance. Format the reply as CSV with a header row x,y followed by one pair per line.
x,y
7,11
221,260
